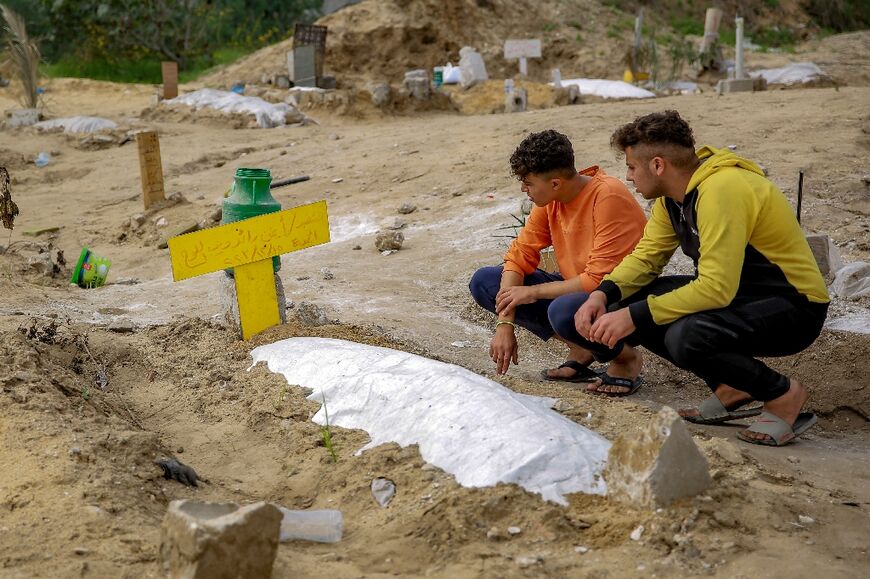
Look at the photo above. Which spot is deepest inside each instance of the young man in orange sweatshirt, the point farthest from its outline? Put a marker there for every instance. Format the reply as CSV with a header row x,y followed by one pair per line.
x,y
592,222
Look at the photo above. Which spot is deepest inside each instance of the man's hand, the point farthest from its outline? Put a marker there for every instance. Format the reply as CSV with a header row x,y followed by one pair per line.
x,y
508,298
503,349
589,312
610,328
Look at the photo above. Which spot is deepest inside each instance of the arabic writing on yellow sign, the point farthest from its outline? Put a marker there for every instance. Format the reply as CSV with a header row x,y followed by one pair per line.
x,y
248,240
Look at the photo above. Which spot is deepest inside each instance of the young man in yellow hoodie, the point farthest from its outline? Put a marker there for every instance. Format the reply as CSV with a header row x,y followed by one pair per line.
x,y
591,220
757,290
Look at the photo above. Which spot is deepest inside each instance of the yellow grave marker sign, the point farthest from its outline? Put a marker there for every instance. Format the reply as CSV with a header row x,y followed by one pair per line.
x,y
248,246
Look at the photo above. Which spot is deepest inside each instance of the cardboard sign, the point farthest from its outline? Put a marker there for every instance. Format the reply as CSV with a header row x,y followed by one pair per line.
x,y
150,168
530,48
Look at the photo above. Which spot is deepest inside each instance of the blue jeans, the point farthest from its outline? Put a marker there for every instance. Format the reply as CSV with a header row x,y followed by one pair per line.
x,y
535,317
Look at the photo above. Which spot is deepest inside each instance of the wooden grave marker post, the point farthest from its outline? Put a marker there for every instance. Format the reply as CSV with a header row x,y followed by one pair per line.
x,y
150,168
169,69
522,49
248,246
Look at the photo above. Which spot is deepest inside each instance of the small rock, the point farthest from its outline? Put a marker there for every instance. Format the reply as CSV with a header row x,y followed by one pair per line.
x,y
562,406
161,222
337,180
494,534
311,314
793,459
732,147
383,489
581,549
356,247
179,450
805,520
81,551
407,208
389,240
396,225
327,275
637,533
333,137
526,561
122,327
727,450
137,220
725,519
514,530
866,179
75,451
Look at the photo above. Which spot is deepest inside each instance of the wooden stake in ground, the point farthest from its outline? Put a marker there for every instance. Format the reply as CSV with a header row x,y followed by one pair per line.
x,y
170,79
248,247
150,168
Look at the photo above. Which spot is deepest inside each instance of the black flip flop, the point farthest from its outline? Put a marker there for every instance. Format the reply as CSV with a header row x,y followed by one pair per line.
x,y
584,373
608,380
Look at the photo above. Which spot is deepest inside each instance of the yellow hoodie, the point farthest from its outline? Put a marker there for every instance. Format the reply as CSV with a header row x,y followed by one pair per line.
x,y
741,233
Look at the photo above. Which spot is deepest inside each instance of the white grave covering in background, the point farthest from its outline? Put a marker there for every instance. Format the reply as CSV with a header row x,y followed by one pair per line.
x,y
469,426
795,73
268,114
609,89
77,124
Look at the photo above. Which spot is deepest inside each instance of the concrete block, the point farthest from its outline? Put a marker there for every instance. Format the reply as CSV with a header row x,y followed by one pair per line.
x,y
567,95
472,69
201,540
729,85
230,302
516,101
381,93
657,466
826,253
22,118
417,84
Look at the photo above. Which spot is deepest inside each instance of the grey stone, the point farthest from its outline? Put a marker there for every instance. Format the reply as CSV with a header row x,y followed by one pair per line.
x,y
389,240
657,466
311,314
230,303
381,93
122,326
137,220
406,208
282,81
826,253
472,68
728,451
201,540
326,273
383,489
516,101
526,561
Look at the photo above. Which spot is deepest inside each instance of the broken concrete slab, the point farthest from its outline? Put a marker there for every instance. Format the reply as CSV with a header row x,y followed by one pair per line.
x,y
826,253
852,281
658,466
201,540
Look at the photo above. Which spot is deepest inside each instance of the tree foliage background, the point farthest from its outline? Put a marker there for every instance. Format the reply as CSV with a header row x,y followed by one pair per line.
x,y
186,31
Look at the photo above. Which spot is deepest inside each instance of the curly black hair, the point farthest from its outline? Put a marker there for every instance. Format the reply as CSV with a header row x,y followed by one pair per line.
x,y
546,153
666,130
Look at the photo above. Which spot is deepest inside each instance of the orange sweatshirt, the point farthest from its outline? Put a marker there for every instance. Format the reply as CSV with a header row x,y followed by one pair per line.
x,y
590,235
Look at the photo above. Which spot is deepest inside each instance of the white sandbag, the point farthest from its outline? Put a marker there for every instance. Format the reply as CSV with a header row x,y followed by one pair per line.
x,y
77,124
472,68
796,73
465,424
268,114
609,89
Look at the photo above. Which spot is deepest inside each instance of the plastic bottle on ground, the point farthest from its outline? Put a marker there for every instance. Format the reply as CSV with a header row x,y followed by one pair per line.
x,y
320,526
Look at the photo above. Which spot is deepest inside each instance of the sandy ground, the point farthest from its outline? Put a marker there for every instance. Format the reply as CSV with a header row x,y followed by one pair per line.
x,y
79,495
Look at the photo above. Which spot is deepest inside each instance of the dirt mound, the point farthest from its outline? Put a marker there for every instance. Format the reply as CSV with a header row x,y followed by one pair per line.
x,y
381,39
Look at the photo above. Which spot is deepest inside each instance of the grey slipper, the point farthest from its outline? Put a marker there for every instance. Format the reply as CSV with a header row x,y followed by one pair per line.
x,y
712,411
777,429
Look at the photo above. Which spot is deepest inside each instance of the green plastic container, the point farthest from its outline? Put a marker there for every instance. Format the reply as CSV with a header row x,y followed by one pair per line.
x,y
90,271
250,196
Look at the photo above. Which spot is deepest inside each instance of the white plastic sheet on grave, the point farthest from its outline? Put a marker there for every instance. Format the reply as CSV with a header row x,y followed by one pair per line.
x,y
795,73
609,89
476,429
268,115
78,124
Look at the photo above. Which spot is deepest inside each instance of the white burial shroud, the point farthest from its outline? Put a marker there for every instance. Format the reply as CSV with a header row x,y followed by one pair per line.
x,y
474,428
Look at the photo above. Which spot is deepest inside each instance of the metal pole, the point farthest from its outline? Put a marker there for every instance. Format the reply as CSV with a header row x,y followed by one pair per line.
x,y
800,195
289,181
738,65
